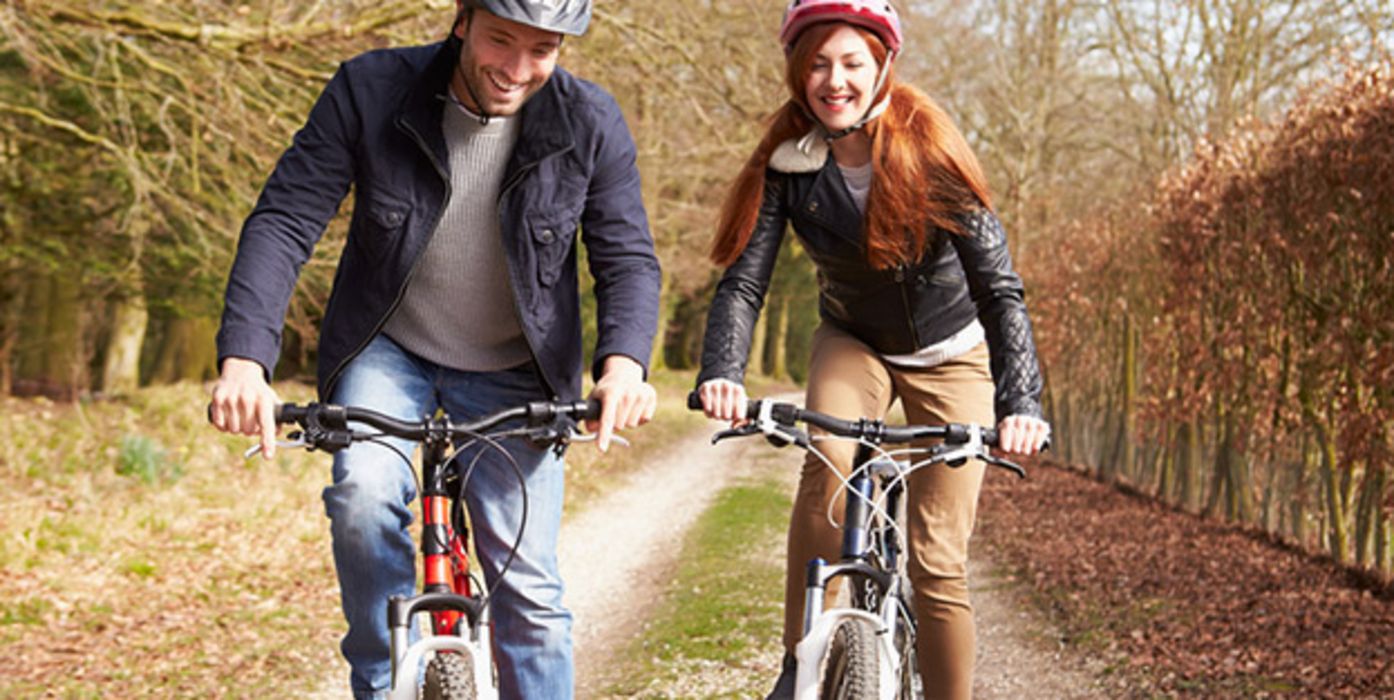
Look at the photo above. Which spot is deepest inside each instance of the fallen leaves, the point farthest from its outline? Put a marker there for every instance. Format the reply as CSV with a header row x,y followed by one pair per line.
x,y
1185,606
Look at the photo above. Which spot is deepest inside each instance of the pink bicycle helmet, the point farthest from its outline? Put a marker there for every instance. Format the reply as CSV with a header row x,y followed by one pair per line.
x,y
876,15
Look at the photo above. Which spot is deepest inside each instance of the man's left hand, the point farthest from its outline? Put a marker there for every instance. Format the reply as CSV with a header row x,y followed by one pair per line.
x,y
626,400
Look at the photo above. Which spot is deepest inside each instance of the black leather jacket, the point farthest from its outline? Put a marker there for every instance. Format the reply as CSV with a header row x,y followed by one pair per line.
x,y
895,311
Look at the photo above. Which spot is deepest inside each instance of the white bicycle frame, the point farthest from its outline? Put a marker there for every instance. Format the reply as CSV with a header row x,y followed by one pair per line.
x,y
406,666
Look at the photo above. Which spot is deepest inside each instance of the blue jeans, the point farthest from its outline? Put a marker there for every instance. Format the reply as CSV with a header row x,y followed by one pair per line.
x,y
374,552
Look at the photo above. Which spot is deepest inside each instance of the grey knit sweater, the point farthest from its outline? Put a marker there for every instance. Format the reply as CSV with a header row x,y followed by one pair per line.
x,y
458,310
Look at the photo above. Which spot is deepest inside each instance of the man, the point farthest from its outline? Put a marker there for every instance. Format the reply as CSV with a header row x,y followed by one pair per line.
x,y
473,164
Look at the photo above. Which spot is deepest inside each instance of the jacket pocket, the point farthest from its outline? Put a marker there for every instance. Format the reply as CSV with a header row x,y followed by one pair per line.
x,y
551,239
382,220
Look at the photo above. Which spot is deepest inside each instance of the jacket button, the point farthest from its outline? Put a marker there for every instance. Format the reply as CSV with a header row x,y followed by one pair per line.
x,y
812,207
547,235
394,218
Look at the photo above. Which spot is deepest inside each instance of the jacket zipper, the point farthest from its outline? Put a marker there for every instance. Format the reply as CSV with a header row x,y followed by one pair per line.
x,y
402,290
900,277
517,310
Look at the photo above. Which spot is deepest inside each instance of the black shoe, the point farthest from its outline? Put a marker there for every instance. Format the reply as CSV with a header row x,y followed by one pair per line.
x,y
784,686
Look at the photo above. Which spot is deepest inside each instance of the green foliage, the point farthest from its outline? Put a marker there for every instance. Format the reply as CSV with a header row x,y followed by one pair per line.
x,y
139,567
145,459
31,611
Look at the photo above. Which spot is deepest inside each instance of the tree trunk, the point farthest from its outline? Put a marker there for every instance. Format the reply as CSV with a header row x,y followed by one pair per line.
x,y
1335,509
1368,516
665,312
780,351
1298,518
756,363
1166,461
188,352
1128,430
121,369
53,360
31,348
1219,468
1187,447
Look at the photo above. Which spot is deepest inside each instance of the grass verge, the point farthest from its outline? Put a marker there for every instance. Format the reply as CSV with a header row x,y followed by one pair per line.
x,y
716,633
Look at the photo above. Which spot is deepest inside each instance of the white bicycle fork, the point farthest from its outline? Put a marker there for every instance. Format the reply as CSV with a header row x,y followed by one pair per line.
x,y
405,673
811,650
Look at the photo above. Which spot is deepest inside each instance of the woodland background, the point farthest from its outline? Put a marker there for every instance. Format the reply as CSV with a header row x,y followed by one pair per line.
x,y
1199,195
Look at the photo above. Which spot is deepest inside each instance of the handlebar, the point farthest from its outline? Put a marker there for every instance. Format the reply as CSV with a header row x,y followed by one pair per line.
x,y
788,414
326,425
776,420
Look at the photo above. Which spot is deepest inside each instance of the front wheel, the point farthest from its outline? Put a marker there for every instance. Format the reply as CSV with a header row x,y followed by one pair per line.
x,y
851,669
450,676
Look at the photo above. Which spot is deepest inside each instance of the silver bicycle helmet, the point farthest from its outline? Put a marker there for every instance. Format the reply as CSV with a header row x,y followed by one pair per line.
x,y
561,16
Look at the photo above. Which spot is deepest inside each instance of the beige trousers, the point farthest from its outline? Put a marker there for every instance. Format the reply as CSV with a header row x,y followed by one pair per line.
x,y
847,379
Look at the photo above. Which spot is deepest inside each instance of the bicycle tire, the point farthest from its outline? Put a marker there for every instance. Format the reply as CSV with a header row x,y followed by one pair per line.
x,y
851,671
450,677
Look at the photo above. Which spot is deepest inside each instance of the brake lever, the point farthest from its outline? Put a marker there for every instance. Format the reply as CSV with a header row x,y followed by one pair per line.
x,y
1005,464
577,436
297,439
743,431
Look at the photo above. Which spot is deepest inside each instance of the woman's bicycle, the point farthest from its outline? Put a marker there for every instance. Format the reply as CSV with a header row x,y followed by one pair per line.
x,y
461,665
867,649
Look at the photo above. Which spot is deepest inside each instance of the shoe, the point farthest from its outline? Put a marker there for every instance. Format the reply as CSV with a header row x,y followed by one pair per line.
x,y
784,686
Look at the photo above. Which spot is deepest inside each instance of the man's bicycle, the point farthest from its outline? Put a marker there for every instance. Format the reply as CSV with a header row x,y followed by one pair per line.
x,y
461,656
867,649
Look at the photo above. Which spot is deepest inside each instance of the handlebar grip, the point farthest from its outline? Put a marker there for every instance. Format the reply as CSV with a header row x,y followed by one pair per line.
x,y
290,413
592,410
752,407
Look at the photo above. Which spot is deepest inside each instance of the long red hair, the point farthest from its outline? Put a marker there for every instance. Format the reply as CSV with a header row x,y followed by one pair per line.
x,y
924,171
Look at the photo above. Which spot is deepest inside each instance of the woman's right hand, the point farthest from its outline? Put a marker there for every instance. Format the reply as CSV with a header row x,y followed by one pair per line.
x,y
723,399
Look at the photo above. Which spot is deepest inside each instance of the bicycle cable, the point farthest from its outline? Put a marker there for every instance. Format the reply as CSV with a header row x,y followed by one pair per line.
x,y
458,505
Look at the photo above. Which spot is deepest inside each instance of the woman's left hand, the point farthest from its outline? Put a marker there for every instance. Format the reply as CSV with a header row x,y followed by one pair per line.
x,y
1022,435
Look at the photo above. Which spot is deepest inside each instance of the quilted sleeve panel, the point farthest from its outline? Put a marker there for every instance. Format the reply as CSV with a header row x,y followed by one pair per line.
x,y
997,291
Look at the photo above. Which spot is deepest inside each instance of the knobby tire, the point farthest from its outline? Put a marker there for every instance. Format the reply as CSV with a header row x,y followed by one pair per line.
x,y
449,676
851,669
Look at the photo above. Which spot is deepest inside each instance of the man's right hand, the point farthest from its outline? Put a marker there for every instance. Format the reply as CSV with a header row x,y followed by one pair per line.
x,y
723,399
244,403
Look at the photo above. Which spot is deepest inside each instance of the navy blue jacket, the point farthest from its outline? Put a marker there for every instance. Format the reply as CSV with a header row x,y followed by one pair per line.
x,y
377,127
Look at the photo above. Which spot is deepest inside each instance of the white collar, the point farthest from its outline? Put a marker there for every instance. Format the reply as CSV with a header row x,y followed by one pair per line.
x,y
802,155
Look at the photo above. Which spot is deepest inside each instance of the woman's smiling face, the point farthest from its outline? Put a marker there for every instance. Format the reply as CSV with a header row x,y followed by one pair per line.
x,y
841,80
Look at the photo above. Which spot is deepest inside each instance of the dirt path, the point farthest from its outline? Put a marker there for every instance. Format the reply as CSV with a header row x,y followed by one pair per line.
x,y
1018,655
617,555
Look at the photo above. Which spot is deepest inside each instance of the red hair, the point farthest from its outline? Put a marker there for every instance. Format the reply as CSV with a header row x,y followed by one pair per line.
x,y
925,173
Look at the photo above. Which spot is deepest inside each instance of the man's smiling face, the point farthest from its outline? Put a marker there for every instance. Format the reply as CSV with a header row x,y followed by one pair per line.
x,y
502,62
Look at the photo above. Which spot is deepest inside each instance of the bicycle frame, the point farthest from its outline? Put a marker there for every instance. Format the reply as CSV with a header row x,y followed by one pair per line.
x,y
857,543
445,592
460,620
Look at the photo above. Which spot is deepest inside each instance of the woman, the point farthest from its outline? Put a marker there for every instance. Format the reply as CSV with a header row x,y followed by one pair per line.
x,y
917,297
